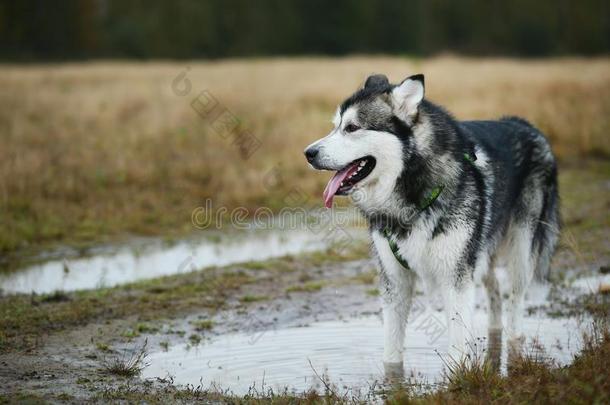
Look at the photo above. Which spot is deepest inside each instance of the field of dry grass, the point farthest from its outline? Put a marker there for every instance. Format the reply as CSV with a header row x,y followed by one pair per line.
x,y
96,150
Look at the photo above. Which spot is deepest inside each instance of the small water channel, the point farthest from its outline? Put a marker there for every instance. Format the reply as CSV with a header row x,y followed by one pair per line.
x,y
139,261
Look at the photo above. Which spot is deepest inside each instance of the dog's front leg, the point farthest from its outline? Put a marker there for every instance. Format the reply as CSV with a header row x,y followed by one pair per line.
x,y
459,303
396,285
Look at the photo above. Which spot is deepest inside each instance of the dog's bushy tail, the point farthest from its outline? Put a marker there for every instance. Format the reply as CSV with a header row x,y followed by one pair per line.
x,y
547,230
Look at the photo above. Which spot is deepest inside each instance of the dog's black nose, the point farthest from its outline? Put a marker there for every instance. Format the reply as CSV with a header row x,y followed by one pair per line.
x,y
310,154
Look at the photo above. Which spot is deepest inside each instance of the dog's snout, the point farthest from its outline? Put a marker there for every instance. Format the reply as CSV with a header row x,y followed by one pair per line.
x,y
311,153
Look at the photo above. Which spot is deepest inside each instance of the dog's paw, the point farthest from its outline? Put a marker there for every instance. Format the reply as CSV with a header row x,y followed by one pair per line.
x,y
394,371
514,347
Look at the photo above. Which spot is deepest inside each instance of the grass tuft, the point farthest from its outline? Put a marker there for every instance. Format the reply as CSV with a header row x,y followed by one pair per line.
x,y
311,286
127,366
195,339
57,296
253,298
103,347
202,325
368,277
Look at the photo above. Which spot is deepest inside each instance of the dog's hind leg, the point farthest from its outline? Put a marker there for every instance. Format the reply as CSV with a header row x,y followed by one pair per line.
x,y
520,266
397,286
494,301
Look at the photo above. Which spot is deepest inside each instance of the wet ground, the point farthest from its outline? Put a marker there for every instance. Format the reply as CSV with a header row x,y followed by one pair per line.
x,y
293,341
347,353
148,259
345,341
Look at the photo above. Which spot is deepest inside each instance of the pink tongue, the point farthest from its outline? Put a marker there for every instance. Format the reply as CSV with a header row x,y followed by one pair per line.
x,y
335,182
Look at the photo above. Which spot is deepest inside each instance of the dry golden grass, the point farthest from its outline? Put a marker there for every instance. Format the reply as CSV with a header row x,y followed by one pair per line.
x,y
98,149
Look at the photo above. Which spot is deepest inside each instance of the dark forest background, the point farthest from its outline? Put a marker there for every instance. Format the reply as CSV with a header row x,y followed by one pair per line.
x,y
80,29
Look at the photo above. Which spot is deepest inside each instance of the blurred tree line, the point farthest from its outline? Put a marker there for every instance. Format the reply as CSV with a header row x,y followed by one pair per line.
x,y
76,29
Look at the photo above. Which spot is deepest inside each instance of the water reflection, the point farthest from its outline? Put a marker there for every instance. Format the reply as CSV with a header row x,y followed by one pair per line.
x,y
347,352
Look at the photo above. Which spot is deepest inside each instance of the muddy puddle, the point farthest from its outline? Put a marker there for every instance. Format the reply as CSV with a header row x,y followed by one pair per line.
x,y
115,266
348,353
589,283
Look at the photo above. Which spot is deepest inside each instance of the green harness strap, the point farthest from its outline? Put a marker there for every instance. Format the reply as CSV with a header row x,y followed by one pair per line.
x,y
428,201
394,248
432,196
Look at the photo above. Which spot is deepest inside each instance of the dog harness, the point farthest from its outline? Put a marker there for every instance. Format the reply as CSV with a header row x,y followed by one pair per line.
x,y
432,196
428,201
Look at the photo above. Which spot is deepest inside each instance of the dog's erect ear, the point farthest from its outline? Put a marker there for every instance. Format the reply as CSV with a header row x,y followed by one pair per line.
x,y
376,81
407,96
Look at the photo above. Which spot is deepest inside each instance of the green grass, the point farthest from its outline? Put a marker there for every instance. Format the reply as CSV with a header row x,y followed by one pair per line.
x,y
202,325
253,298
195,339
256,265
127,366
311,286
24,318
103,347
146,328
531,380
368,277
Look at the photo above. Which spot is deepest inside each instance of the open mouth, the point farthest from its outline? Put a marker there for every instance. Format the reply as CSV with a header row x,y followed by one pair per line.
x,y
345,179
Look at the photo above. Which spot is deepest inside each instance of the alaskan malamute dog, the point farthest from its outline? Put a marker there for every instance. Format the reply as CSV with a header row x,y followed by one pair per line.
x,y
444,199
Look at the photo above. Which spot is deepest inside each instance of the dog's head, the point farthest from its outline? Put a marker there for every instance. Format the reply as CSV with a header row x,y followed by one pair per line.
x,y
370,141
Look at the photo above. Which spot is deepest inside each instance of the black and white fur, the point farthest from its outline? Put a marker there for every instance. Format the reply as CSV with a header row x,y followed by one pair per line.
x,y
499,202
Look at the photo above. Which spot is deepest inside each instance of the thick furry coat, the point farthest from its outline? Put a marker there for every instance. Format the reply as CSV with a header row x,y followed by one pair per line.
x,y
446,200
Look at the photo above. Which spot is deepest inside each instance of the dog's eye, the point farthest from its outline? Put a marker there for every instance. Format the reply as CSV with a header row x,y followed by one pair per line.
x,y
351,128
